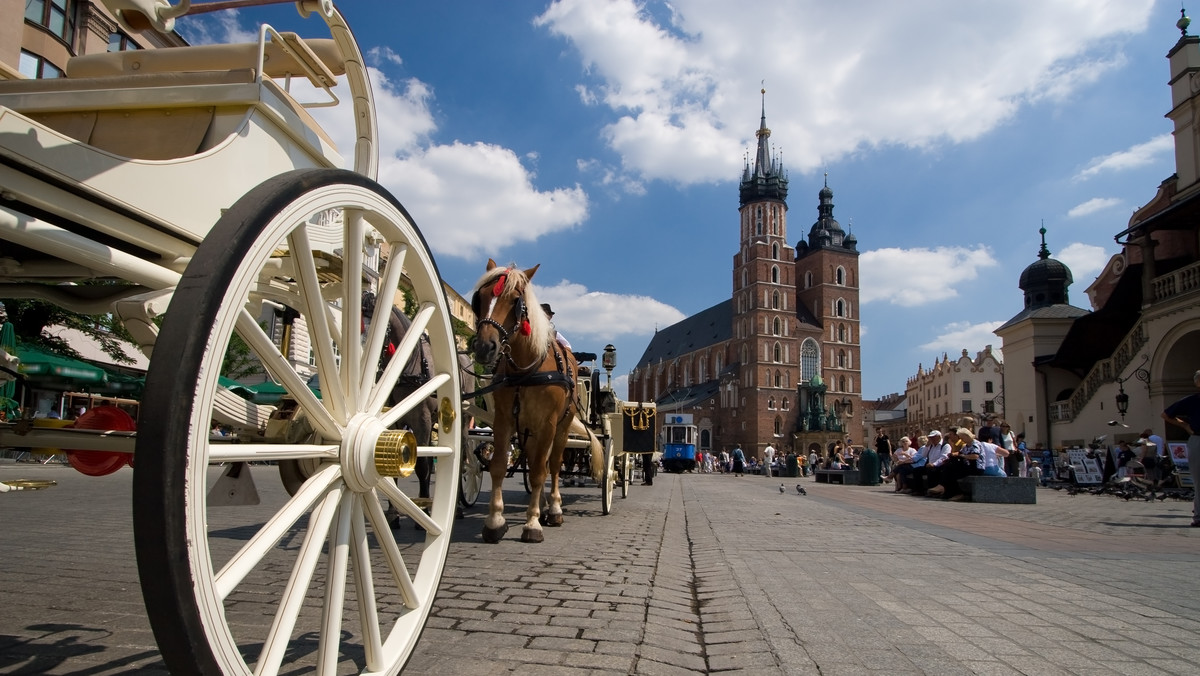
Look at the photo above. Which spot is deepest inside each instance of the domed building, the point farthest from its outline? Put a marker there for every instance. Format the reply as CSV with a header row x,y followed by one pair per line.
x,y
1135,352
780,357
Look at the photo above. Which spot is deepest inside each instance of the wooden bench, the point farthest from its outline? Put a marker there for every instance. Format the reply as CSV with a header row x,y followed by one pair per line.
x,y
837,476
1002,490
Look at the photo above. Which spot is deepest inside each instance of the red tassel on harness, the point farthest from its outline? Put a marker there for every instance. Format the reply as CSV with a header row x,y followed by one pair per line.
x,y
391,350
525,328
499,288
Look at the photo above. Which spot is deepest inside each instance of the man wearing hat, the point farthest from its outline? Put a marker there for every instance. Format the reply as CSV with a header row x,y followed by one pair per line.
x,y
928,463
557,336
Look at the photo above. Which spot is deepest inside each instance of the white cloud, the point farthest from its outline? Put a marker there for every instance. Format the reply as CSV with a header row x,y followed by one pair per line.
x,y
604,316
382,55
959,336
1085,261
216,28
684,85
1140,155
898,275
1092,206
505,208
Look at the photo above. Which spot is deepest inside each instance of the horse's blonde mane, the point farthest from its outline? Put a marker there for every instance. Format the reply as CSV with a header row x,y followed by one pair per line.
x,y
541,330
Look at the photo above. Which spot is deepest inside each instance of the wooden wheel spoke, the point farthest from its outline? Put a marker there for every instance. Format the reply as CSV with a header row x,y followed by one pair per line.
x,y
335,586
414,399
405,504
281,370
316,310
379,321
391,552
351,334
395,366
269,452
253,552
275,645
364,587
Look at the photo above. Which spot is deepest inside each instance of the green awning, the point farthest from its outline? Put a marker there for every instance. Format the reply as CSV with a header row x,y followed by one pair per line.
x,y
37,364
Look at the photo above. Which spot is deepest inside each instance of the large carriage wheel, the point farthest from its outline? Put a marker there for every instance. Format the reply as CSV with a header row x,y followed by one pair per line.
x,y
317,579
471,478
608,480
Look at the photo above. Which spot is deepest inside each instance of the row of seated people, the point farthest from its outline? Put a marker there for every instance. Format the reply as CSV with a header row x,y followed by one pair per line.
x,y
935,468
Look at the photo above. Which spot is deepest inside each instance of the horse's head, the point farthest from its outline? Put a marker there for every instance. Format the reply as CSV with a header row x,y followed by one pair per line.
x,y
508,316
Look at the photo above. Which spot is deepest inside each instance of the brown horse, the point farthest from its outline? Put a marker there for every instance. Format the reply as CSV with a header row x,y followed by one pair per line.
x,y
535,403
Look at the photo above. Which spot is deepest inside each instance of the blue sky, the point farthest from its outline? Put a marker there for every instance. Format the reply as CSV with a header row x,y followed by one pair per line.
x,y
603,139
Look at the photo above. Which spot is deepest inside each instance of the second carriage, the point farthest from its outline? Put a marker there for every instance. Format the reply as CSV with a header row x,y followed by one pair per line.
x,y
625,429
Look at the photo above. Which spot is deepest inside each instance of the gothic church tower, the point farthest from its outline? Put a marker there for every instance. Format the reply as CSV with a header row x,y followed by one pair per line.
x,y
764,302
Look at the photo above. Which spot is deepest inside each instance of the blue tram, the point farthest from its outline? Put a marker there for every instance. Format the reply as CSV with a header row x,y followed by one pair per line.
x,y
679,443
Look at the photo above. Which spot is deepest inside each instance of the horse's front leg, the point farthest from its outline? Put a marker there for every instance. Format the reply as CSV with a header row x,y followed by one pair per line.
x,y
554,513
494,526
537,482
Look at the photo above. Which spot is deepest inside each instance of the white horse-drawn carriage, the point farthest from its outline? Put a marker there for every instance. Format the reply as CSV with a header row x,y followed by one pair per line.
x,y
188,187
190,194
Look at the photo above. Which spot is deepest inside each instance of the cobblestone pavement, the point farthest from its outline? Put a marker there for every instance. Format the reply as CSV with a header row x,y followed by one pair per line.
x,y
699,573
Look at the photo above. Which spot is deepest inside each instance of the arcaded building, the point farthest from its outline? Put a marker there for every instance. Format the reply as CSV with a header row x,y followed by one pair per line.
x,y
779,358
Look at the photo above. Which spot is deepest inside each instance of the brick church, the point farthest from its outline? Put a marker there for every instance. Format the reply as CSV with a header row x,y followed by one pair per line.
x,y
778,361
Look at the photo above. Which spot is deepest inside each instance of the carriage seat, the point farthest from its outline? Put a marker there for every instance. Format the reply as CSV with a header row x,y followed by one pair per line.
x,y
160,104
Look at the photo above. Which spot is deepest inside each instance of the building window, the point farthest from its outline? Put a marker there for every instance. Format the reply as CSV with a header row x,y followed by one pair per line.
x,y
775,327
120,42
774,300
775,274
839,308
775,251
808,279
786,404
966,387
809,360
839,276
778,353
966,406
56,16
778,426
842,386
987,387
841,359
778,379
33,66
841,333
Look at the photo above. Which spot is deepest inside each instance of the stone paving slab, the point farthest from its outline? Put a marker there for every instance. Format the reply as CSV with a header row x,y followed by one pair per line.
x,y
697,574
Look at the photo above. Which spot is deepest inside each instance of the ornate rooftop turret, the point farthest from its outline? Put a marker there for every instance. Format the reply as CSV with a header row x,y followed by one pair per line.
x,y
1045,281
826,231
766,180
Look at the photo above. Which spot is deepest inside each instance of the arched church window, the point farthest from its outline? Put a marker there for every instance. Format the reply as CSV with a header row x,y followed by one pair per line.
x,y
810,360
774,300
778,425
786,405
778,379
839,276
775,274
841,359
771,403
839,308
808,279
775,326
775,251
778,353
841,332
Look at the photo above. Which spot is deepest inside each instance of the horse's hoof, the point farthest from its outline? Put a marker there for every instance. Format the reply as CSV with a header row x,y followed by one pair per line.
x,y
494,535
553,520
531,535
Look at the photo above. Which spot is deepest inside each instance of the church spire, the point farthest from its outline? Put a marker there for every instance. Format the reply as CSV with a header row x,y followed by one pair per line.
x,y
766,180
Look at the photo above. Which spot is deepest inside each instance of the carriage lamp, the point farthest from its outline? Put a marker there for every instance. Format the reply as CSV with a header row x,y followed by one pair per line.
x,y
1122,401
609,359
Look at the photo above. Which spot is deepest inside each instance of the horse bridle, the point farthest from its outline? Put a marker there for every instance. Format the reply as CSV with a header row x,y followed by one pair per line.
x,y
520,321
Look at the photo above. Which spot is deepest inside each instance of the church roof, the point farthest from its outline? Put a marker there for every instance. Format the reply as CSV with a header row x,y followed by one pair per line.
x,y
707,327
689,397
